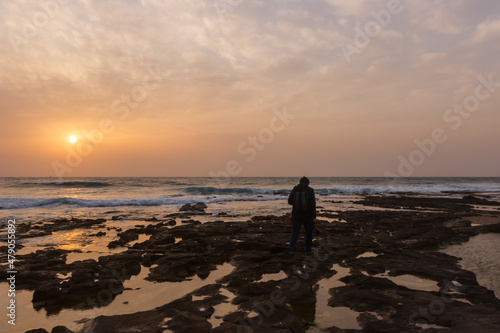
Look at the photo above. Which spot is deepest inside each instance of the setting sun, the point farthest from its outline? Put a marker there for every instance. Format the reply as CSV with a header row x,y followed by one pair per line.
x,y
178,159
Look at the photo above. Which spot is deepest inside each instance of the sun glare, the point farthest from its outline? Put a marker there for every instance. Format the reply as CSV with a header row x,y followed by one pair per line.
x,y
73,139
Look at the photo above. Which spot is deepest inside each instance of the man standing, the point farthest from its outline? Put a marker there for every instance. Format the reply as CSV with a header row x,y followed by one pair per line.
x,y
303,213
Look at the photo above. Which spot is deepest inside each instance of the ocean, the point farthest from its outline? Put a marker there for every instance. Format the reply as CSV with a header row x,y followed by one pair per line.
x,y
38,199
128,202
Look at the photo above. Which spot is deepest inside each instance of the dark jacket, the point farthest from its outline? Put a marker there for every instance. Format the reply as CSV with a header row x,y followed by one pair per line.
x,y
309,211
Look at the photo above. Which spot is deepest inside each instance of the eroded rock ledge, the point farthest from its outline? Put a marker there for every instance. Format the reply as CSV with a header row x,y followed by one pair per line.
x,y
402,242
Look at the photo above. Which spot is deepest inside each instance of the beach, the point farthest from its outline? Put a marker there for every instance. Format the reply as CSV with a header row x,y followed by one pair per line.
x,y
416,256
249,166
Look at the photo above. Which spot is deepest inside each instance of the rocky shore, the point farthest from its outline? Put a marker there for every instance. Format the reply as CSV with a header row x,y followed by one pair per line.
x,y
270,290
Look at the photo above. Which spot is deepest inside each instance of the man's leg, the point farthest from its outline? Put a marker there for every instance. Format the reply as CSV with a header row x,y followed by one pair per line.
x,y
295,234
308,227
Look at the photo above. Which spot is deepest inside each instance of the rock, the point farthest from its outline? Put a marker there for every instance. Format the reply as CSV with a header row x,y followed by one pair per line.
x,y
257,288
226,327
263,218
161,238
144,322
403,241
116,243
478,201
279,319
479,294
38,330
492,228
186,322
82,275
46,291
177,267
128,235
84,294
30,279
197,207
410,202
223,214
120,266
61,329
203,272
190,222
91,284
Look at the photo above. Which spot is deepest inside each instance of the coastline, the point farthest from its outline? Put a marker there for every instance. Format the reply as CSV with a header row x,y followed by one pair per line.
x,y
245,278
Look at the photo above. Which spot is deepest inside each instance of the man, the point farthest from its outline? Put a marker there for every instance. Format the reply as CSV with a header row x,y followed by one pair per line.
x,y
303,213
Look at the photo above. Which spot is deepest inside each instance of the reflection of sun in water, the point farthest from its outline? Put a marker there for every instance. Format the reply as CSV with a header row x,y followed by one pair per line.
x,y
73,139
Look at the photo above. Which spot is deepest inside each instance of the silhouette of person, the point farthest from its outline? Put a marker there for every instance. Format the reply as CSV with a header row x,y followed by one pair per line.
x,y
303,213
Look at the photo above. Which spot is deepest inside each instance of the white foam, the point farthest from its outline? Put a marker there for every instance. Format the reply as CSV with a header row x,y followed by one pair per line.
x,y
21,203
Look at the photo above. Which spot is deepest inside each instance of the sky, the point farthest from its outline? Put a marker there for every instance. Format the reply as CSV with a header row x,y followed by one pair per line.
x,y
249,88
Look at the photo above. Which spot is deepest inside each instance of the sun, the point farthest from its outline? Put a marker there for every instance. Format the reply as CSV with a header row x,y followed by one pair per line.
x,y
73,139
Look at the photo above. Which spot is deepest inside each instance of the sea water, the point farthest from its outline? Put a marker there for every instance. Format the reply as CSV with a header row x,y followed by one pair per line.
x,y
134,199
38,199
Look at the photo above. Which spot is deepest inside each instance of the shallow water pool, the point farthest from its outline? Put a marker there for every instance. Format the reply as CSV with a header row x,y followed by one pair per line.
x,y
481,255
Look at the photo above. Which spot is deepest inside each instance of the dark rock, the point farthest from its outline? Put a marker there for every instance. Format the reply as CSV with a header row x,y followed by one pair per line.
x,y
82,275
234,317
264,218
30,279
222,214
186,322
478,201
116,243
46,291
226,327
161,238
492,228
260,288
410,202
197,207
61,329
177,267
281,319
190,222
121,266
128,235
144,322
91,283
54,296
403,240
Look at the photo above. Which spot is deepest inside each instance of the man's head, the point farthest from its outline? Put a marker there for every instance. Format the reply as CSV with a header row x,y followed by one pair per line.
x,y
304,181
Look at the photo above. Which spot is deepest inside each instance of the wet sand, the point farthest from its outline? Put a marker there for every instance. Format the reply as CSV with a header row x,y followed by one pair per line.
x,y
375,265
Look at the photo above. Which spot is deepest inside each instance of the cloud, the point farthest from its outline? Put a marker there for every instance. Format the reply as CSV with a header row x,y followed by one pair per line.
x,y
438,16
391,34
225,75
486,32
348,8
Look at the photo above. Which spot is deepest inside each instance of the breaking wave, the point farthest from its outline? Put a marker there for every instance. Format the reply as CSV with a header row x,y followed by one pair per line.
x,y
22,203
73,184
